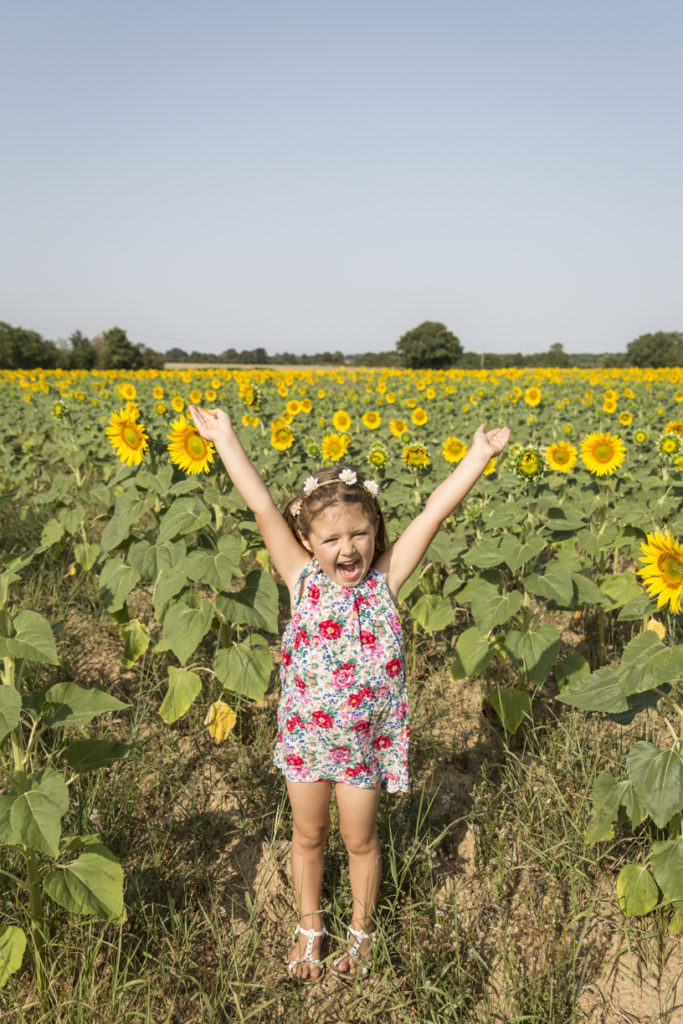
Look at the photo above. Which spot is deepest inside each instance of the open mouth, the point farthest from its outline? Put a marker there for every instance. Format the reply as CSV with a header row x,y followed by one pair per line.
x,y
349,570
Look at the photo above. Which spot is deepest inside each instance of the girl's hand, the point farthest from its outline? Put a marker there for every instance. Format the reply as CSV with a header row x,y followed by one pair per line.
x,y
212,424
492,443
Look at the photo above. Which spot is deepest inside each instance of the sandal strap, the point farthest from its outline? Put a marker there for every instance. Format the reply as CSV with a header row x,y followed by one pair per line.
x,y
359,936
311,935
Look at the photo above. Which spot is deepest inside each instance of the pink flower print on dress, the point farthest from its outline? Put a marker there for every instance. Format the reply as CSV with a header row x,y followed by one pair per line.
x,y
382,743
402,709
330,630
393,667
362,726
353,771
367,638
322,719
294,723
286,659
294,761
300,684
300,639
344,676
313,593
339,754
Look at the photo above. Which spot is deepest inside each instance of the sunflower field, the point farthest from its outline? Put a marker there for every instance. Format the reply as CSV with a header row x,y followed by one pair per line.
x,y
555,588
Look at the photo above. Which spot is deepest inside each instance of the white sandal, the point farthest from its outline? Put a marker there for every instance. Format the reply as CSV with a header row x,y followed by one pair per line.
x,y
308,958
354,953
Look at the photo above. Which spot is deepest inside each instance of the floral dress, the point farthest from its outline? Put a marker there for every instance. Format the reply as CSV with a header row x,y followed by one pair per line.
x,y
343,711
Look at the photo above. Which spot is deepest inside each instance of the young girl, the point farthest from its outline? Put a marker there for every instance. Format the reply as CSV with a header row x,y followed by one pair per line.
x,y
343,709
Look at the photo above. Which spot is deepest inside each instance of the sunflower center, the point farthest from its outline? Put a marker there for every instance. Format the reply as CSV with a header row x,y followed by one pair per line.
x,y
561,455
196,448
131,435
671,568
603,452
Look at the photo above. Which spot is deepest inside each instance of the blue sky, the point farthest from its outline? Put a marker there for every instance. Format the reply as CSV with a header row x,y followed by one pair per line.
x,y
324,175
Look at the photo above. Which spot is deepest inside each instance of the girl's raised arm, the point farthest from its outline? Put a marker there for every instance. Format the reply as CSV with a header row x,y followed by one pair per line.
x,y
405,554
288,556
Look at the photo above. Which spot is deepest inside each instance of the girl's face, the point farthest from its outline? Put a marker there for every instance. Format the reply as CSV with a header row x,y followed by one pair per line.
x,y
342,539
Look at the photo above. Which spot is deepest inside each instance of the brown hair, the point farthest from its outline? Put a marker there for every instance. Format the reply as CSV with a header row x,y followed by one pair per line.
x,y
333,491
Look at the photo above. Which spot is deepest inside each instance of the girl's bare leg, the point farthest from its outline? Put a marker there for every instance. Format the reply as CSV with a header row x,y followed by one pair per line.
x,y
311,813
358,826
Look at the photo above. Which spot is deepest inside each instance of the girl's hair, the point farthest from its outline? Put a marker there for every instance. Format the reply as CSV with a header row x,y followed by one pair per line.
x,y
327,487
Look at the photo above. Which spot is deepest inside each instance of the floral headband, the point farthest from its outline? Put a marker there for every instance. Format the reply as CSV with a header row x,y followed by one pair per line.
x,y
347,476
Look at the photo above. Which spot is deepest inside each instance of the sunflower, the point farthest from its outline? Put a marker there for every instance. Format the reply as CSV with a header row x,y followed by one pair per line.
x,y
158,393
625,418
128,391
490,467
160,409
281,437
293,407
419,416
529,464
416,456
398,427
602,453
670,446
640,437
377,454
453,449
663,569
195,397
561,456
128,438
371,420
333,447
307,406
187,449
609,405
177,403
532,396
341,420
674,427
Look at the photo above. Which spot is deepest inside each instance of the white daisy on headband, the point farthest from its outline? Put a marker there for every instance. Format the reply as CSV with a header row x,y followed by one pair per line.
x,y
348,476
310,484
372,486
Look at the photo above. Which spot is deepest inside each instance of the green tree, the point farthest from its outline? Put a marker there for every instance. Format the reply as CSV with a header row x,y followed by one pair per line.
x,y
665,348
24,350
429,346
82,354
120,353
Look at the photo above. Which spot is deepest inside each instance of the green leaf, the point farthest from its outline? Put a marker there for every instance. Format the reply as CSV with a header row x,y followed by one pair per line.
x,y
129,507
116,582
136,638
667,867
555,585
33,640
516,555
86,555
256,604
184,628
432,612
588,592
538,651
10,710
445,550
12,947
71,517
648,663
637,608
620,588
186,515
7,833
89,755
572,666
53,532
636,891
489,607
71,704
91,884
245,668
511,706
484,555
473,654
35,816
410,584
606,799
183,688
657,776
600,691
215,569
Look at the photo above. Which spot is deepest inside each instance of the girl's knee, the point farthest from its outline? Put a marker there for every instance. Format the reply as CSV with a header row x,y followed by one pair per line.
x,y
360,844
310,836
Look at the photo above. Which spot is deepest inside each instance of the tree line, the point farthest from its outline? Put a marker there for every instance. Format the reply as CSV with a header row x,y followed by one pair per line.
x,y
430,345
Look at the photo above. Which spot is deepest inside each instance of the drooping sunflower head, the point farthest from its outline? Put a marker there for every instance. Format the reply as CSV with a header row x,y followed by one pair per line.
x,y
602,453
377,454
662,572
561,457
127,436
187,448
416,456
